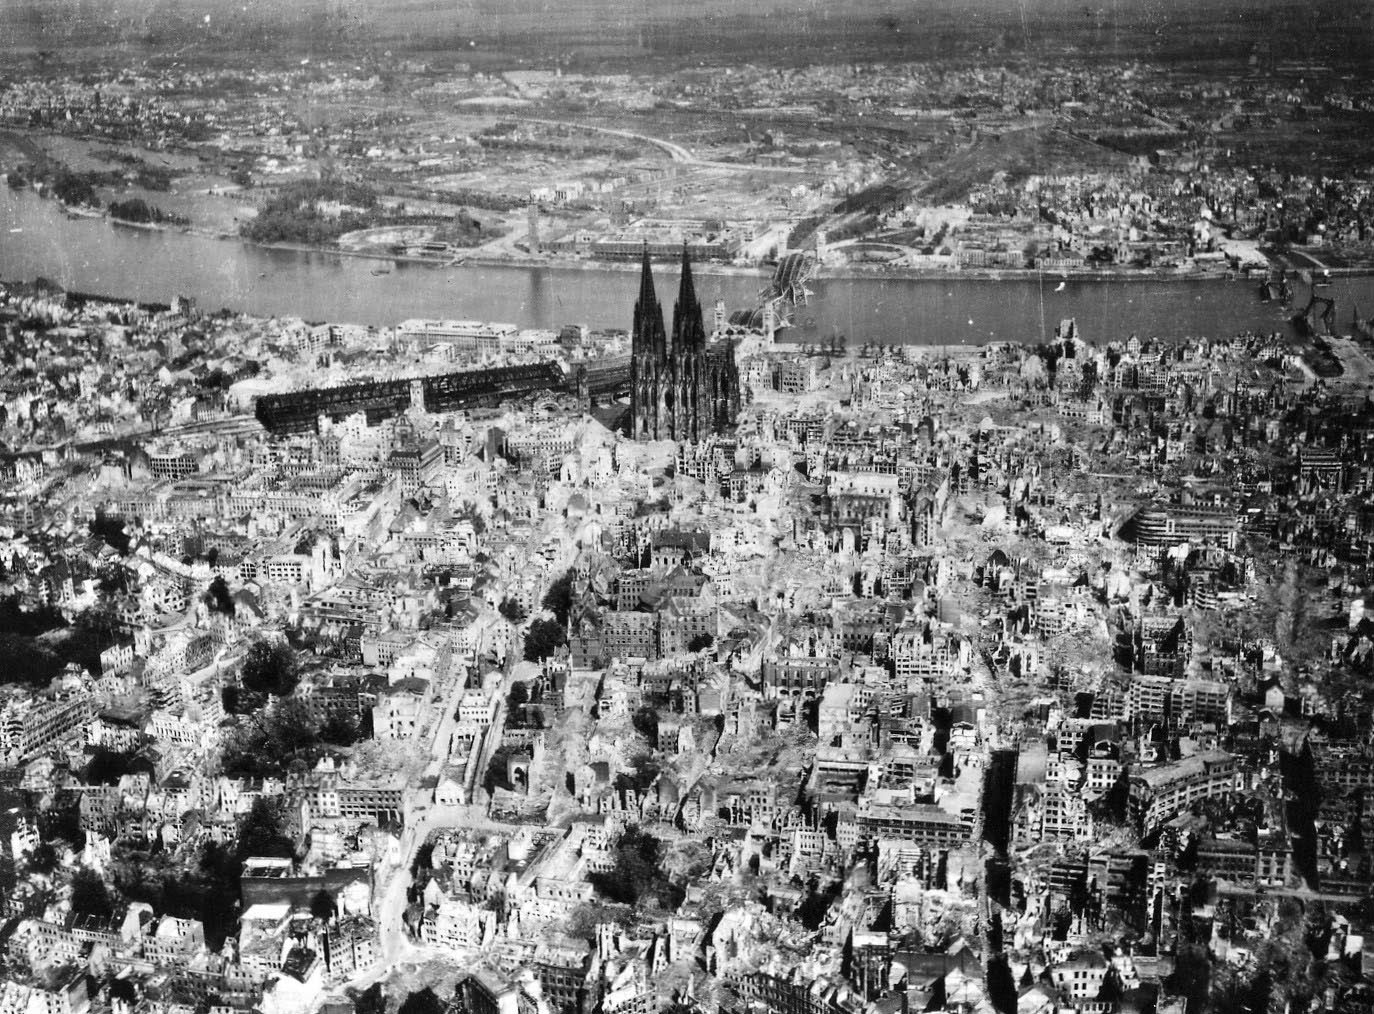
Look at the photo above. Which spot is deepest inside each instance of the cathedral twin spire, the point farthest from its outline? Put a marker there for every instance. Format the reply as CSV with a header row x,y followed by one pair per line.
x,y
678,389
689,333
649,335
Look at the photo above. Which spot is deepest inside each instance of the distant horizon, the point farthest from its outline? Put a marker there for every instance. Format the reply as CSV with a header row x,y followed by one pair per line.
x,y
866,28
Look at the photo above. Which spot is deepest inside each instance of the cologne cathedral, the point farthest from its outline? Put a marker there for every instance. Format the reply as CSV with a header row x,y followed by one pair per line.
x,y
681,387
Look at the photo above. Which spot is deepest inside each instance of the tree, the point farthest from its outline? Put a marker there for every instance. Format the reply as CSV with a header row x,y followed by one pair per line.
x,y
638,874
558,598
138,210
422,1001
322,905
370,1001
111,531
289,728
644,768
270,667
341,729
582,922
700,642
265,741
90,897
542,639
811,912
75,188
511,610
517,698
107,767
217,596
43,857
294,214
263,831
646,723
208,892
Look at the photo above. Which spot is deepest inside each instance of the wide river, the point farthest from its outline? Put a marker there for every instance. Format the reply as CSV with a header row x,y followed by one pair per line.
x,y
91,255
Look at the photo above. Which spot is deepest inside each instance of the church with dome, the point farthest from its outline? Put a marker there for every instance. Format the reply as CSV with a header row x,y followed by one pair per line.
x,y
682,386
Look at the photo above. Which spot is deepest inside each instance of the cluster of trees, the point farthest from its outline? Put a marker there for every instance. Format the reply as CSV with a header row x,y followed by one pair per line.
x,y
1288,970
43,858
14,619
461,230
802,231
811,912
645,721
206,887
218,598
700,642
546,146
117,156
67,186
543,637
370,1001
462,197
640,774
136,209
558,598
264,831
638,876
218,380
29,658
285,733
270,667
422,1001
137,171
111,531
517,698
495,775
75,188
107,767
90,896
153,177
276,729
294,215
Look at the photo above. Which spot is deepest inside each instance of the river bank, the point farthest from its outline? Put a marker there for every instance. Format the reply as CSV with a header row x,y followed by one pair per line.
x,y
865,305
823,272
826,272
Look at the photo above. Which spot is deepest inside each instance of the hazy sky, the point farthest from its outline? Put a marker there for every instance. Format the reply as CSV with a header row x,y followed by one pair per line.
x,y
62,22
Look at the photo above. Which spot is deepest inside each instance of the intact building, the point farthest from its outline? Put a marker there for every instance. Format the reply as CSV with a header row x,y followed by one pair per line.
x,y
1157,527
681,387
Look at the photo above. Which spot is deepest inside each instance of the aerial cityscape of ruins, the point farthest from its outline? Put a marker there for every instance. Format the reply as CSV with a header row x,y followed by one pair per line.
x,y
501,511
